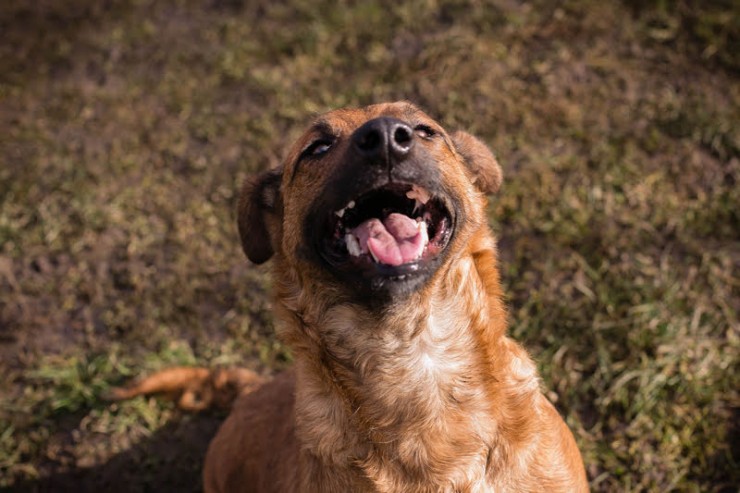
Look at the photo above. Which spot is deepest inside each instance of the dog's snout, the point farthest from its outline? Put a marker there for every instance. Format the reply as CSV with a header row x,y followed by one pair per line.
x,y
384,139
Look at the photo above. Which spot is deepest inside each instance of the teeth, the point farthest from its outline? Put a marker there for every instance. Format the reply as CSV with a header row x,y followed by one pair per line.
x,y
353,246
340,212
419,194
423,225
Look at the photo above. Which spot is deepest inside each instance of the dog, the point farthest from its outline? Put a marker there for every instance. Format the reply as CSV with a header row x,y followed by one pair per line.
x,y
388,294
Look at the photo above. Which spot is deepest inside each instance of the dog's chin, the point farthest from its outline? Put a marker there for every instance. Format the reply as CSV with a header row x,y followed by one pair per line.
x,y
386,241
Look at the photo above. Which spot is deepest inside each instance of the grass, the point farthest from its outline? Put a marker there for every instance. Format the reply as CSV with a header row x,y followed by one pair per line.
x,y
128,125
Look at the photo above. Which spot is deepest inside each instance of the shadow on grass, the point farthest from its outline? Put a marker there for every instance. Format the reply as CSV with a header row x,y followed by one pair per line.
x,y
169,460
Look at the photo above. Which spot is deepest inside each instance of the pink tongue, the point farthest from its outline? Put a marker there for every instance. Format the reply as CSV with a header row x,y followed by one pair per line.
x,y
396,240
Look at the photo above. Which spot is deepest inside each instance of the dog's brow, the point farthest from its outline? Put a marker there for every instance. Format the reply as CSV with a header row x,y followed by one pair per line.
x,y
323,127
411,113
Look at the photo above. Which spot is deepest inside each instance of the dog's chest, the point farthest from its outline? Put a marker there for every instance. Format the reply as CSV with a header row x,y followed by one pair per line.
x,y
419,416
419,468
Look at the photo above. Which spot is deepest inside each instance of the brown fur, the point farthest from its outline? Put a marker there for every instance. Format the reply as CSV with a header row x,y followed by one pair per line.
x,y
420,393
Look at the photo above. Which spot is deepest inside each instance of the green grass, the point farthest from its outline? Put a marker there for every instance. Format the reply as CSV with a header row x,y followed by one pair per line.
x,y
127,126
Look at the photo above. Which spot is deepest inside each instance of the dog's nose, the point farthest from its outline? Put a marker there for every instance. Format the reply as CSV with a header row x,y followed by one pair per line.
x,y
384,139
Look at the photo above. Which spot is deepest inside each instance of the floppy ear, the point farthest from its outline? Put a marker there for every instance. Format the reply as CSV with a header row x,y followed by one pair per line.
x,y
487,175
259,206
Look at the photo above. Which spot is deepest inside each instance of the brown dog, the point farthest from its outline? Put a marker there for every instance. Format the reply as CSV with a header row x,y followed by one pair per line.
x,y
388,294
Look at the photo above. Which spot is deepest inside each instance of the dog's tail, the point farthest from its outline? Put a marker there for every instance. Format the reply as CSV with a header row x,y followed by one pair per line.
x,y
195,388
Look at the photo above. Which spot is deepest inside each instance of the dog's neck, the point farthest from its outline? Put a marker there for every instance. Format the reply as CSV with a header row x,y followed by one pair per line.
x,y
423,390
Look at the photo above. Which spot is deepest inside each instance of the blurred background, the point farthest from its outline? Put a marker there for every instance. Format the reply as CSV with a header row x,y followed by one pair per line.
x,y
126,127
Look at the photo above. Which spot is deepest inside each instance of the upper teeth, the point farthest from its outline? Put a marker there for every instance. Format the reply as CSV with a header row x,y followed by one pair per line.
x,y
341,212
419,194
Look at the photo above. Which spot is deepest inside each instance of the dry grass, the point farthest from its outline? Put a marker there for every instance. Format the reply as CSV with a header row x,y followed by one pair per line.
x,y
126,126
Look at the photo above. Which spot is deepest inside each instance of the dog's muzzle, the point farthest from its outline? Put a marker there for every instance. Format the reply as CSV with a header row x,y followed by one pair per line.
x,y
383,221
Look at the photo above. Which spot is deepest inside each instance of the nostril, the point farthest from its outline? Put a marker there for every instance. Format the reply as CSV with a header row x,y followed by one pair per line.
x,y
369,141
402,136
383,138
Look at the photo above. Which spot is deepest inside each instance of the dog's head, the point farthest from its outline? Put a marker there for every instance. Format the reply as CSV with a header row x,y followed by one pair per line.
x,y
372,201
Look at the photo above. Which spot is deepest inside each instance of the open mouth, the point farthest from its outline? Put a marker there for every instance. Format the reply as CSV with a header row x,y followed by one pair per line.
x,y
398,227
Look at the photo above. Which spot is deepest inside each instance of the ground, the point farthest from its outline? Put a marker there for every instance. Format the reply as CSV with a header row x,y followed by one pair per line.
x,y
126,127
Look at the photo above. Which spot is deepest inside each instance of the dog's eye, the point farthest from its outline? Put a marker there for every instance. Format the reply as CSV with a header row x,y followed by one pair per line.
x,y
425,131
317,148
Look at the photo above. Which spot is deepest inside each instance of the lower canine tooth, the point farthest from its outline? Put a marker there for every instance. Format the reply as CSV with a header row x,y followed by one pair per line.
x,y
353,246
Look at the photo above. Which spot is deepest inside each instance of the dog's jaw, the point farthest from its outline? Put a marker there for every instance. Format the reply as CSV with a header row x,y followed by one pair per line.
x,y
384,215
